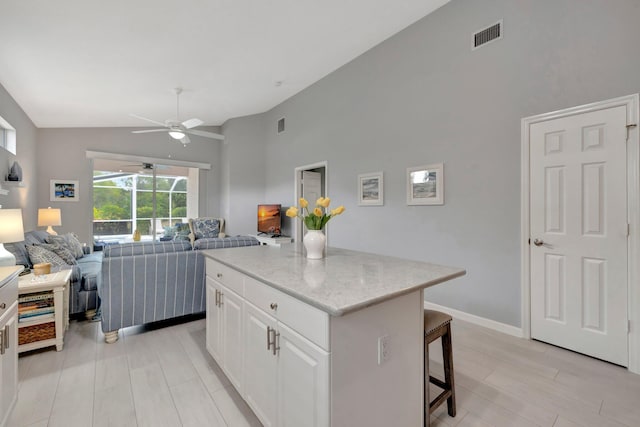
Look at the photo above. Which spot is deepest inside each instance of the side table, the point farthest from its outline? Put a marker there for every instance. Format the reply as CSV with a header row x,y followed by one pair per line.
x,y
47,329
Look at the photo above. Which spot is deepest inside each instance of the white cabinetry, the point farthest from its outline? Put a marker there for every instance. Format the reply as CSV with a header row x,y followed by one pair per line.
x,y
8,340
224,330
258,332
261,366
303,381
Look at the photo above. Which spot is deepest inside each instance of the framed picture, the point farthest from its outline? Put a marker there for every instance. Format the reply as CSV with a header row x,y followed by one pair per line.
x,y
371,189
425,185
64,190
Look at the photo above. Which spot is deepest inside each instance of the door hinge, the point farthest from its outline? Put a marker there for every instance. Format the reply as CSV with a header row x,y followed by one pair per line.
x,y
629,127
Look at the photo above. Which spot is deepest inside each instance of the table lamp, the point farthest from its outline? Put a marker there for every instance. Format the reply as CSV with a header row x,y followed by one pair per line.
x,y
49,217
11,230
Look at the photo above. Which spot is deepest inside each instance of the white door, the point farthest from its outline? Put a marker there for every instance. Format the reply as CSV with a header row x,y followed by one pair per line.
x,y
578,200
303,381
214,322
312,191
232,344
260,366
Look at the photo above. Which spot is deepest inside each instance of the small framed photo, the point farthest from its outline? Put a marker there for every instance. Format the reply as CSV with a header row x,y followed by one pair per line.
x,y
371,189
425,185
64,190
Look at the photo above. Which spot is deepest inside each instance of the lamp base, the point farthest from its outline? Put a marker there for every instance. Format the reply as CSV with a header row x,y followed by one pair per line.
x,y
6,258
51,231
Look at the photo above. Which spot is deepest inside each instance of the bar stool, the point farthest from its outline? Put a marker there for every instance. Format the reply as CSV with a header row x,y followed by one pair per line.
x,y
438,325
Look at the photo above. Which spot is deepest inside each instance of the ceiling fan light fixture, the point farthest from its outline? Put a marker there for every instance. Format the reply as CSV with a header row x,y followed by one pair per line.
x,y
176,134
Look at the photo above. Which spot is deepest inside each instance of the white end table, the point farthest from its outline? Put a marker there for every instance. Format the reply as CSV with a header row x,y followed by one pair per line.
x,y
58,284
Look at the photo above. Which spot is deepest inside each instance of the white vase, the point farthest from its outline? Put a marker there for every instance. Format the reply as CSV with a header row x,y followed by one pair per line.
x,y
314,242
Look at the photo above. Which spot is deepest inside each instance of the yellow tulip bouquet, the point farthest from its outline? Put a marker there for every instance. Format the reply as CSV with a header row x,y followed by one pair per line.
x,y
318,217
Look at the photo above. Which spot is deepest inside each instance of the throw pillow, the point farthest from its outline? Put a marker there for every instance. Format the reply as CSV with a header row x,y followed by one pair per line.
x,y
182,231
69,241
203,228
38,254
61,251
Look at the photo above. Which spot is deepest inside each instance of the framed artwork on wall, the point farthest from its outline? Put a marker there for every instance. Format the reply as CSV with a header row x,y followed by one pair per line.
x,y
371,189
425,185
64,190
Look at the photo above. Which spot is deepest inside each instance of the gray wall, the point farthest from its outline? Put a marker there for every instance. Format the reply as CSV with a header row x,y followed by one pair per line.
x,y
243,173
62,155
26,137
424,97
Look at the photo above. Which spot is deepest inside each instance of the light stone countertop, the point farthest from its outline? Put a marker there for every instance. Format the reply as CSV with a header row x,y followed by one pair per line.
x,y
342,282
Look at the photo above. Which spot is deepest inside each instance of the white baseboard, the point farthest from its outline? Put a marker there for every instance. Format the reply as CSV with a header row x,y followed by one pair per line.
x,y
477,320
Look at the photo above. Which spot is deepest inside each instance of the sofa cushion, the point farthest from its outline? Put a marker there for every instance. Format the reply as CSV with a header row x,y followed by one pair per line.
x,y
35,237
38,254
69,241
226,242
19,250
61,251
90,267
129,249
204,228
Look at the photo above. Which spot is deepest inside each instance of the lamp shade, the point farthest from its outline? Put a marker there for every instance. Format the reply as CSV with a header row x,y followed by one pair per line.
x,y
11,228
48,217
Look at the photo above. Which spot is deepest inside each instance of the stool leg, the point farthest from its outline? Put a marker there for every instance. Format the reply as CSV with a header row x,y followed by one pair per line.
x,y
447,357
427,417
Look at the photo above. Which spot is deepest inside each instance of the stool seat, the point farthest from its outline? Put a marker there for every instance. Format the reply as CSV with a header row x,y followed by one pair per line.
x,y
434,320
438,325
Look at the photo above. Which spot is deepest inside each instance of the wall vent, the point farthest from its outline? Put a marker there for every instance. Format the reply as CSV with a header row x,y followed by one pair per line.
x,y
281,125
487,35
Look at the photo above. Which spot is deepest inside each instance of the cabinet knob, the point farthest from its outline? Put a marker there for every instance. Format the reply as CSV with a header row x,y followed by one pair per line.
x,y
3,305
273,305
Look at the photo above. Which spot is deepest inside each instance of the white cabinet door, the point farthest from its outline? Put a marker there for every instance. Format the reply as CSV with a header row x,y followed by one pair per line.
x,y
232,334
214,321
9,362
260,366
303,381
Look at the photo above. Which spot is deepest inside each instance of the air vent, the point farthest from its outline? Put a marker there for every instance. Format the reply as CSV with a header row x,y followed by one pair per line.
x,y
281,125
486,35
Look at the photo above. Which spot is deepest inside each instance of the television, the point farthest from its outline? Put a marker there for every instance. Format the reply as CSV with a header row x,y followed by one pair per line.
x,y
269,219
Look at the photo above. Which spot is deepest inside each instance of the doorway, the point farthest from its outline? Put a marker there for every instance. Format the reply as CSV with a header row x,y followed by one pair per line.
x,y
311,183
580,210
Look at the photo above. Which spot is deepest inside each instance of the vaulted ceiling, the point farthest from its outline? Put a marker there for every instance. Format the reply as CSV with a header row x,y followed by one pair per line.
x,y
89,63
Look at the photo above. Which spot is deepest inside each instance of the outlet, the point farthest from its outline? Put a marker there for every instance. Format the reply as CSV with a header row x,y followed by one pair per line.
x,y
383,349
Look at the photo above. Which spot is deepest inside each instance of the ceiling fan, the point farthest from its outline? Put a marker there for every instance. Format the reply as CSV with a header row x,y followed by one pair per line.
x,y
141,168
176,129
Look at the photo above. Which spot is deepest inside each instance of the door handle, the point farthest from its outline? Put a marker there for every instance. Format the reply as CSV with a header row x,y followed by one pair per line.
x,y
538,242
6,336
269,337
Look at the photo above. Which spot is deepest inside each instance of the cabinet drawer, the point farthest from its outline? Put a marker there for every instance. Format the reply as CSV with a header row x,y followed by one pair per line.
x,y
8,295
308,321
229,277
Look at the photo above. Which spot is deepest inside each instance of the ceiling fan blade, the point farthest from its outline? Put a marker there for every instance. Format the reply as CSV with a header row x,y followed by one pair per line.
x,y
206,134
149,130
185,140
148,120
191,123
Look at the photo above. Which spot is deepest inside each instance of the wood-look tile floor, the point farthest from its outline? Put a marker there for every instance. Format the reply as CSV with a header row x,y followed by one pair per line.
x,y
165,377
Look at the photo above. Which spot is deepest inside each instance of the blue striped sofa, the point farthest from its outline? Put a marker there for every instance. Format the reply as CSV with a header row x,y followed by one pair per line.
x,y
148,282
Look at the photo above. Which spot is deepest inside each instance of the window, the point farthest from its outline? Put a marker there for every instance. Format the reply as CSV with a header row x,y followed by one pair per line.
x,y
146,197
7,136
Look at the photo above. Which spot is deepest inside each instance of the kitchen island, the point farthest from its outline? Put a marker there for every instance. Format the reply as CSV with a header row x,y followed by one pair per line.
x,y
337,341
